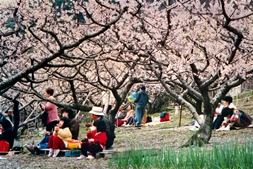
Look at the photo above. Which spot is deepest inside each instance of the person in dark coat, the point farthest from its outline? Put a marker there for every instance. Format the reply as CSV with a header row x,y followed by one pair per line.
x,y
6,132
95,141
97,115
141,102
74,123
225,112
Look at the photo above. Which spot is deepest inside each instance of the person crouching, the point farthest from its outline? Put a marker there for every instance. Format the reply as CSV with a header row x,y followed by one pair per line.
x,y
95,141
61,135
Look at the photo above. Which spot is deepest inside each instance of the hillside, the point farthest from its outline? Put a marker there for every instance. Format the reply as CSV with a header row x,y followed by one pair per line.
x,y
151,135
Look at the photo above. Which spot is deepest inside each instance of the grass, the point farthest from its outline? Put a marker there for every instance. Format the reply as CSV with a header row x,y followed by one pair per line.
x,y
224,156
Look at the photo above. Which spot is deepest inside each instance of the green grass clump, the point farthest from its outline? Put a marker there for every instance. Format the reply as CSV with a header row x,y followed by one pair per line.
x,y
225,156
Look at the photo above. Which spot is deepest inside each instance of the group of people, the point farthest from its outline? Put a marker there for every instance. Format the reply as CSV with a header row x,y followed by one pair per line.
x,y
61,130
127,117
100,135
64,128
134,117
227,116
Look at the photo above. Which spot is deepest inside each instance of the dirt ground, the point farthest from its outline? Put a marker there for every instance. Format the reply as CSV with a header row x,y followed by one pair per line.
x,y
153,134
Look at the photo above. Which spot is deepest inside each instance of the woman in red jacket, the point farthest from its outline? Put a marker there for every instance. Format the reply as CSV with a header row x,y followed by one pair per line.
x,y
95,141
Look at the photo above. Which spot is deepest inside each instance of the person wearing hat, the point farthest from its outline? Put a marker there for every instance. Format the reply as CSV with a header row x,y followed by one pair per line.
x,y
141,102
6,132
225,112
97,115
74,123
95,141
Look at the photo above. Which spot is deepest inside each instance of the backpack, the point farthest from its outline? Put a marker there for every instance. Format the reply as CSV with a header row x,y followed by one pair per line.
x,y
164,116
4,146
149,119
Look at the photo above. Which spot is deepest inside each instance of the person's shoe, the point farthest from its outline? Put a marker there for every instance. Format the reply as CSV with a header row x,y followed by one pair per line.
x,y
227,128
90,157
81,157
37,150
50,152
232,128
138,127
30,148
56,152
221,128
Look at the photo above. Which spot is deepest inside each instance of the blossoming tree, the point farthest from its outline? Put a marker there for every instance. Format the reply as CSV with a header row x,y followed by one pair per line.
x,y
194,48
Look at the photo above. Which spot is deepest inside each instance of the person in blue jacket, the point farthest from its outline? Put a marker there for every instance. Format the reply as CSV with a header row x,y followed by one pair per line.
x,y
141,102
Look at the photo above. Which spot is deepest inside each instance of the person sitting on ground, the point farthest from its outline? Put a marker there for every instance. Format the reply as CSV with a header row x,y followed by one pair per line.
x,y
120,114
238,119
59,140
6,132
74,129
119,117
74,124
225,112
95,141
97,114
129,119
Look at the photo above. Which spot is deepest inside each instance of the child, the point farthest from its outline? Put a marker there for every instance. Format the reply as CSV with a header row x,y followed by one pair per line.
x,y
95,141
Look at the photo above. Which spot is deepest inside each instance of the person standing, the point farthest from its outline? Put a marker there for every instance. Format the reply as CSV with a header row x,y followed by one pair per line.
x,y
141,102
52,112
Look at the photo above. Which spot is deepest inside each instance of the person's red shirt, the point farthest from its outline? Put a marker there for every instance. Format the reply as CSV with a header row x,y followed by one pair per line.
x,y
101,138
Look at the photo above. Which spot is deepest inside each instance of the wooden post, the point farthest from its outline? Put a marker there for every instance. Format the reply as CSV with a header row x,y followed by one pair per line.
x,y
180,115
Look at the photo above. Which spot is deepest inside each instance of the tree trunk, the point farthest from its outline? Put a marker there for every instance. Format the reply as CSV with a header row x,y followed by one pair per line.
x,y
16,118
203,135
111,116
